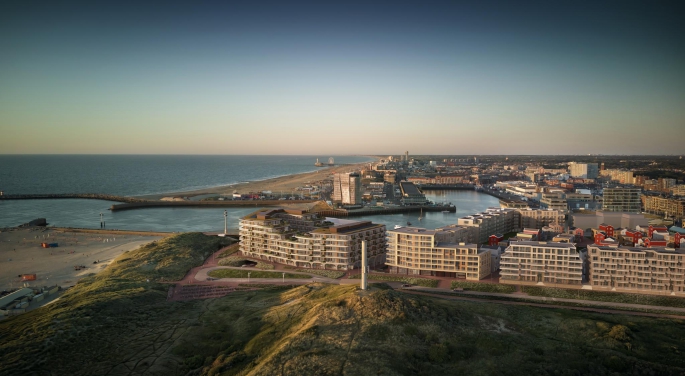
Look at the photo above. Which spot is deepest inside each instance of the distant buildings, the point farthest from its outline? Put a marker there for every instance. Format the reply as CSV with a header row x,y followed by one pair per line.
x,y
615,219
529,262
306,240
622,200
441,252
583,170
347,188
673,207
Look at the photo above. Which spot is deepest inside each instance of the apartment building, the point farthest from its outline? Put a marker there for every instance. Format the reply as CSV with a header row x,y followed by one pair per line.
x,y
492,221
554,201
631,269
619,176
583,170
530,262
307,240
539,218
347,188
622,200
673,207
418,251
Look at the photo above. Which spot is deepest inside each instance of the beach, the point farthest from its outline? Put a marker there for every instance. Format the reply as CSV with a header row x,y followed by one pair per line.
x,y
21,253
286,184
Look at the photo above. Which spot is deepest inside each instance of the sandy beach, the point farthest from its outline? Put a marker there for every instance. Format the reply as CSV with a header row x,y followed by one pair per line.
x,y
286,184
21,253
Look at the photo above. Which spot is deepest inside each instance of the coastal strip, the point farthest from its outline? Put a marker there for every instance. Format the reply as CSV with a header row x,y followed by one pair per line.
x,y
90,196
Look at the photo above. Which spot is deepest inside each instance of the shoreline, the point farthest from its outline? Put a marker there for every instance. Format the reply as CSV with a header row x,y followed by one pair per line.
x,y
285,183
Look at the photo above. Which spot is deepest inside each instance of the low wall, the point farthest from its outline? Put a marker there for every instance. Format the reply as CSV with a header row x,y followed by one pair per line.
x,y
206,204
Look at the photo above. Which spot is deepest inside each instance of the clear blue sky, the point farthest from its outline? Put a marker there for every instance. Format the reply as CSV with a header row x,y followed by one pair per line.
x,y
499,77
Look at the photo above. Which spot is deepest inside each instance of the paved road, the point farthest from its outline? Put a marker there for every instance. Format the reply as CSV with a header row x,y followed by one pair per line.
x,y
587,309
548,299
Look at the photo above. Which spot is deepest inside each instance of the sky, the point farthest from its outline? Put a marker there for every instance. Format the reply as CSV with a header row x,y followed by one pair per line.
x,y
481,77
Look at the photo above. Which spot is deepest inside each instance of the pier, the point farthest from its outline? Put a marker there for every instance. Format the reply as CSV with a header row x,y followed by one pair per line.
x,y
205,204
338,213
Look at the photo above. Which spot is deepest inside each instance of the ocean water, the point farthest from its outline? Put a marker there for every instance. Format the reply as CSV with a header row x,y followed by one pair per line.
x,y
135,175
140,175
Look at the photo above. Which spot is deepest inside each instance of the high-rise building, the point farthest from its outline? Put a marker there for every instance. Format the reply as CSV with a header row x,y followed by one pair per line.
x,y
406,156
583,170
622,200
347,188
307,240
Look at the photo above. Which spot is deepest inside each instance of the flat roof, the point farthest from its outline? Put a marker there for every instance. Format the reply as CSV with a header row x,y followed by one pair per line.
x,y
409,188
544,244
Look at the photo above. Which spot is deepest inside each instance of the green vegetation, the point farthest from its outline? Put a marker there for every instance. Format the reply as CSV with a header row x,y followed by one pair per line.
x,y
604,296
425,282
236,273
484,287
240,261
118,323
119,305
324,273
229,251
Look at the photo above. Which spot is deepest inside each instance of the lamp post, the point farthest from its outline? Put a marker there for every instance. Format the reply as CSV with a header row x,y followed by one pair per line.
x,y
225,222
101,223
248,277
283,277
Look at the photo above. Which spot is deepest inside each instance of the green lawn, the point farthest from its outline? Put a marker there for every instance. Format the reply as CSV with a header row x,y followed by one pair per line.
x,y
484,287
324,273
234,273
425,282
605,296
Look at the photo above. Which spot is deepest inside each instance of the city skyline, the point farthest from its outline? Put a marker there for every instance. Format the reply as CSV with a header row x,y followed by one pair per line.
x,y
438,79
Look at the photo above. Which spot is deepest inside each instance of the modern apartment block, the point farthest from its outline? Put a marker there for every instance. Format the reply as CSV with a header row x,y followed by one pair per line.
x,y
530,262
306,240
417,251
631,269
554,201
539,218
347,188
622,200
492,221
501,221
583,170
673,207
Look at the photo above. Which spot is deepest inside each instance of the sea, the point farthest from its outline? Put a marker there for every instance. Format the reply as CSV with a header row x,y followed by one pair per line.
x,y
137,175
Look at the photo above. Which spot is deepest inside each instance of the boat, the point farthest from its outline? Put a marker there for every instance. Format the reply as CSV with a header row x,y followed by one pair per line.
x,y
318,164
408,223
421,215
397,227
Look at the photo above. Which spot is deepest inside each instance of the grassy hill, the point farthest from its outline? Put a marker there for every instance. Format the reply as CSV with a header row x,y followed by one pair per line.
x,y
117,323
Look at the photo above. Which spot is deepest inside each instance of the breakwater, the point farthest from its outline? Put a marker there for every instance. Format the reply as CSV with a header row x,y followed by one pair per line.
x,y
205,204
337,213
90,196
